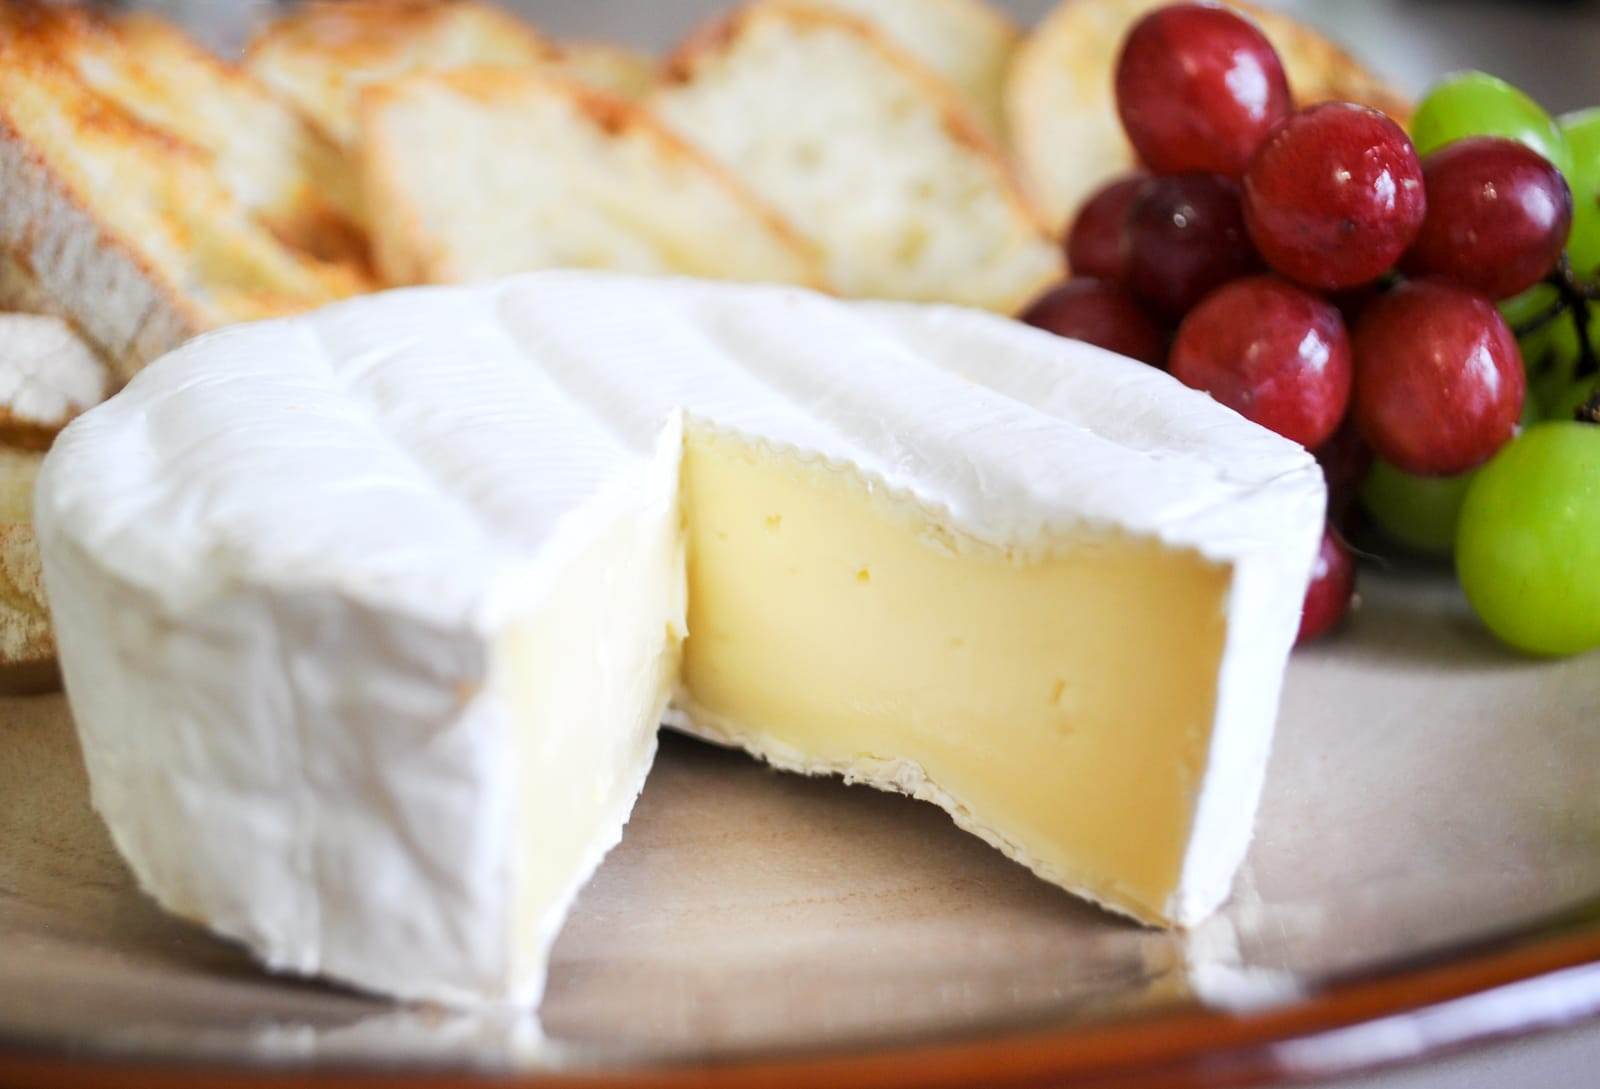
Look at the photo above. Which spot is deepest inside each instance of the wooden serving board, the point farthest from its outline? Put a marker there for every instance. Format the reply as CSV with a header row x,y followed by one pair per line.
x,y
1429,791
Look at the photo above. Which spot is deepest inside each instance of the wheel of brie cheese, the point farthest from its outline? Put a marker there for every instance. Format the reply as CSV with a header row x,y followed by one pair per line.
x,y
368,618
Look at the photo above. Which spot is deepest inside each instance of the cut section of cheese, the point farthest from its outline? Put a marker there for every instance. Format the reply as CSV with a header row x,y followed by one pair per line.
x,y
1031,697
367,617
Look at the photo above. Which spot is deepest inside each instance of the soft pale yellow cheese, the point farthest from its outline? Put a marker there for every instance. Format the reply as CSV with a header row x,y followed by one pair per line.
x,y
1063,702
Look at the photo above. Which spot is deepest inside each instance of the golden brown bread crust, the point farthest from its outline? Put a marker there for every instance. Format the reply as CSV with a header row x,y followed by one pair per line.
x,y
27,646
117,223
289,176
89,274
615,69
360,31
323,54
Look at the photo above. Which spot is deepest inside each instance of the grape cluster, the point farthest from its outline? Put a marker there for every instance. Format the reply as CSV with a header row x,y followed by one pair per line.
x,y
1354,289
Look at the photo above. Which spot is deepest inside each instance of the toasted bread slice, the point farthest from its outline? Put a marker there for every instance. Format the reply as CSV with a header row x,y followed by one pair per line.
x,y
27,648
325,53
274,161
48,376
968,42
124,228
865,150
483,172
1061,111
617,70
20,290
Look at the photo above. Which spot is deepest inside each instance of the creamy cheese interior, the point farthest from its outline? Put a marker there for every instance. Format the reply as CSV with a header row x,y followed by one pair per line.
x,y
1060,706
588,675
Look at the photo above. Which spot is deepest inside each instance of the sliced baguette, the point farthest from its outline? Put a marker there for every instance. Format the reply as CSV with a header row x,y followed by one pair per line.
x,y
1061,113
865,150
48,376
484,172
274,161
325,53
123,228
27,648
619,71
968,42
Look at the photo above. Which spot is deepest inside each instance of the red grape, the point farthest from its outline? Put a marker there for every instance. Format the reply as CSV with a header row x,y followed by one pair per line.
x,y
1272,352
1346,460
1332,589
1097,245
1198,88
1498,216
1186,236
1101,314
1335,196
1439,379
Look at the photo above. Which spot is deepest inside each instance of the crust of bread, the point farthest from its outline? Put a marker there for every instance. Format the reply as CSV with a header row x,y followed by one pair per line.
x,y
1062,118
614,69
61,252
412,248
703,49
120,226
296,180
323,54
27,648
969,43
48,377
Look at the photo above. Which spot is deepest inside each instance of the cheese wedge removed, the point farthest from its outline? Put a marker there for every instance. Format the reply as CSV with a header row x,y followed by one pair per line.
x,y
368,617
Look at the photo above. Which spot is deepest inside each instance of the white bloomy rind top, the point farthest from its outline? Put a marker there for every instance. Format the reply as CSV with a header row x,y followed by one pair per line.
x,y
290,563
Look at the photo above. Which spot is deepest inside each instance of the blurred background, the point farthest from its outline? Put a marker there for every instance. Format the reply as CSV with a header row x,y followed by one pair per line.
x,y
1550,49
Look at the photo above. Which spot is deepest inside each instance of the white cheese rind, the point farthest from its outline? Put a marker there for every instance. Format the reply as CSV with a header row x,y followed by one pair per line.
x,y
283,562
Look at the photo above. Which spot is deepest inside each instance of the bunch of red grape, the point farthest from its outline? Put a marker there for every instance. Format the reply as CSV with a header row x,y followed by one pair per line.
x,y
1308,269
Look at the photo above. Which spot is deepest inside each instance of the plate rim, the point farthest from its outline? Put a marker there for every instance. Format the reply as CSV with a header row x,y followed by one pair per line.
x,y
1189,1048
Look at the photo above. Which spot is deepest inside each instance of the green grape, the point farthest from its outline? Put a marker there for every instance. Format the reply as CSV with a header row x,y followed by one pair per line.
x,y
1564,404
1538,349
1419,512
1551,354
1582,132
1533,303
1478,104
1528,547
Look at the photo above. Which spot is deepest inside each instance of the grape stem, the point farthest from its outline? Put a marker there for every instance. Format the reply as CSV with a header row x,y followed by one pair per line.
x,y
1572,296
1577,297
1589,412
